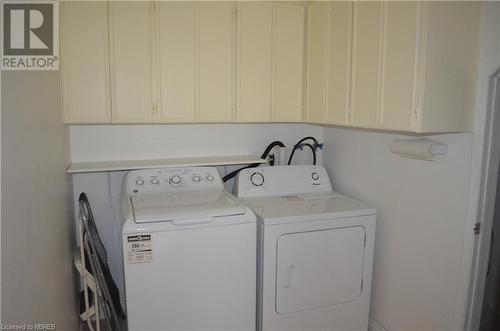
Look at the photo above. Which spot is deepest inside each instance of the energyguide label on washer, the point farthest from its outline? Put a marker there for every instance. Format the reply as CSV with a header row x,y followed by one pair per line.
x,y
139,248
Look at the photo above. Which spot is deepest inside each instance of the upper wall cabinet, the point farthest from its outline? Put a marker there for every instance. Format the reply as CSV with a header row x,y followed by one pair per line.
x,y
412,65
131,58
195,61
316,62
339,43
365,69
173,62
254,40
85,62
399,65
329,62
288,62
215,55
394,65
448,65
429,66
176,61
270,61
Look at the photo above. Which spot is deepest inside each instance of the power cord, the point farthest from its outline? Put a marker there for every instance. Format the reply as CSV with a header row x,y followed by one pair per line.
x,y
300,144
254,165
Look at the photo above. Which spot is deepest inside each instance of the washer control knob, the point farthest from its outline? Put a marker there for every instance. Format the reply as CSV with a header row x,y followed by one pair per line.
x,y
175,180
315,176
210,178
257,179
139,181
155,181
196,179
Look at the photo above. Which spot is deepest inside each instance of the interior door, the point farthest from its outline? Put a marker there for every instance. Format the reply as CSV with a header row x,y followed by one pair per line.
x,y
485,305
490,315
319,268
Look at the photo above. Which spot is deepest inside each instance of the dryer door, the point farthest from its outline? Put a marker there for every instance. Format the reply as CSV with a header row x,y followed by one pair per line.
x,y
319,268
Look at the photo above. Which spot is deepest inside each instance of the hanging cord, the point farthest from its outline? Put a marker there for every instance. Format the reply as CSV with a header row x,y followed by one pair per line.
x,y
254,165
299,145
313,150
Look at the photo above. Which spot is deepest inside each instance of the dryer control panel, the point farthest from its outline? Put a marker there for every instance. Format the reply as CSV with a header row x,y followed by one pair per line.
x,y
173,180
281,180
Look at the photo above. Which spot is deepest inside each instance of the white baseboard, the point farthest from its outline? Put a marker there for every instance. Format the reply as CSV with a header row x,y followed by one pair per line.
x,y
375,326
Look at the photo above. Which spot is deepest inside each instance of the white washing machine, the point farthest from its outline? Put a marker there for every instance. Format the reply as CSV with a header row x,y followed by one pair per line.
x,y
315,250
189,252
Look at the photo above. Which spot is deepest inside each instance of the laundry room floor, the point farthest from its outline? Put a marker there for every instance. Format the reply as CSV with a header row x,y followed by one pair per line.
x,y
104,327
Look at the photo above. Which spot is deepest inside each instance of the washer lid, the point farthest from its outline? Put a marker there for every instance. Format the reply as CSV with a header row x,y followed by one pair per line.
x,y
172,206
305,207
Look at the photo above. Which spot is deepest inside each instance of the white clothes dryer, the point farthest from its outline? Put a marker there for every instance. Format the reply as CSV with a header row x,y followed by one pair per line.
x,y
315,250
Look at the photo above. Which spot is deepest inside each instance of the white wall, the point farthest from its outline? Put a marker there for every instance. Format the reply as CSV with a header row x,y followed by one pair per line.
x,y
132,142
37,272
420,227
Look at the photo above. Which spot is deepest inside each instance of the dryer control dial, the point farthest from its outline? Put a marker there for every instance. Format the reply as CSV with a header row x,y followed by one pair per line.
x,y
315,176
257,179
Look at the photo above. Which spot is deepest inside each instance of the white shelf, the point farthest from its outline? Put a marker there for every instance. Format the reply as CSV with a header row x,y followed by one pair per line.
x,y
84,167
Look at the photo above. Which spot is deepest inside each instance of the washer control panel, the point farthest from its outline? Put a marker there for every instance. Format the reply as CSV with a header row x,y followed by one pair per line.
x,y
173,180
281,180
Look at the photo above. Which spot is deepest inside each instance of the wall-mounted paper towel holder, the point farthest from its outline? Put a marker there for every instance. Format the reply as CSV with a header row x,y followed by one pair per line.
x,y
420,148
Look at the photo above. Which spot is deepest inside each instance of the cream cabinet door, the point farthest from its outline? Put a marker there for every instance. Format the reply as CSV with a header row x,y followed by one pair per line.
x,y
366,57
85,62
316,62
131,61
254,51
450,50
176,61
399,66
215,61
338,63
288,62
